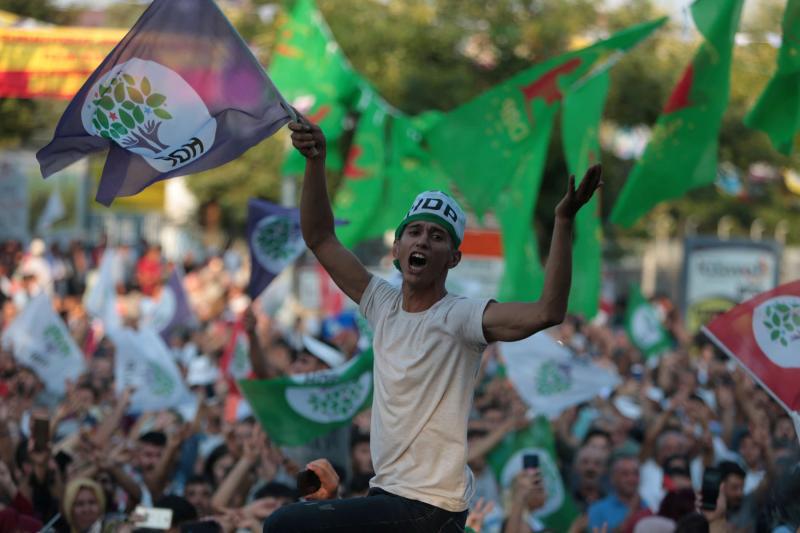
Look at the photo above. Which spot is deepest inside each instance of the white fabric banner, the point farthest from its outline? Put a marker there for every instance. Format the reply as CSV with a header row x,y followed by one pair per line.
x,y
41,341
143,361
549,378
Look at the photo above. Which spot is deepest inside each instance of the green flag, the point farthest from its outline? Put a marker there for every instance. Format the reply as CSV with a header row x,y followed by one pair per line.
x,y
313,74
482,143
580,123
296,409
523,275
777,111
643,325
682,153
360,197
505,459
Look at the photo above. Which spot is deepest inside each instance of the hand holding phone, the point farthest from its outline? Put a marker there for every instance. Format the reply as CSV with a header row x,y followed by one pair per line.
x,y
307,482
712,477
41,434
153,517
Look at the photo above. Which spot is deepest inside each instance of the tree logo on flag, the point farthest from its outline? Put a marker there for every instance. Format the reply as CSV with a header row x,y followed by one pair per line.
x,y
776,328
276,242
160,382
645,326
553,378
54,341
150,110
328,404
240,363
551,477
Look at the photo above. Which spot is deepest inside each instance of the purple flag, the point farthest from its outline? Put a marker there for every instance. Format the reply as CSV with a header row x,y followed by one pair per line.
x,y
181,93
176,305
273,234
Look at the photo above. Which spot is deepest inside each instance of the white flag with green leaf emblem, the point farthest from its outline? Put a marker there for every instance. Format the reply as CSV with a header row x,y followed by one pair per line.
x,y
143,361
40,340
549,378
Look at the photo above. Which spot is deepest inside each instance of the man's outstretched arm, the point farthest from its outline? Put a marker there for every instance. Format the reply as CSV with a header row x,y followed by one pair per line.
x,y
316,216
513,321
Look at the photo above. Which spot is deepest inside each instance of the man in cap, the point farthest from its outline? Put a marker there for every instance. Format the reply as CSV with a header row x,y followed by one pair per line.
x,y
427,346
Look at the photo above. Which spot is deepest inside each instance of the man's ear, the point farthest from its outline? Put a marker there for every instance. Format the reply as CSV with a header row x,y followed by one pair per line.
x,y
395,249
455,259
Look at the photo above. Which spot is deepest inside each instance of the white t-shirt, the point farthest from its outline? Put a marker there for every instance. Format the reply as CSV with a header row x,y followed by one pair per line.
x,y
426,364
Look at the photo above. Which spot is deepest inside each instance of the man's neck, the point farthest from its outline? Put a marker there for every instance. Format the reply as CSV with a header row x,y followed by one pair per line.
x,y
417,300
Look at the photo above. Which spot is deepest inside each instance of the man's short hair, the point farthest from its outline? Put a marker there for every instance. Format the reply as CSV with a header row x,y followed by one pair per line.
x,y
198,479
622,455
358,438
596,432
730,468
182,510
156,438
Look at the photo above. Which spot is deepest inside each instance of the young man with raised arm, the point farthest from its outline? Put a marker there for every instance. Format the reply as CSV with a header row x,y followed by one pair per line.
x,y
427,346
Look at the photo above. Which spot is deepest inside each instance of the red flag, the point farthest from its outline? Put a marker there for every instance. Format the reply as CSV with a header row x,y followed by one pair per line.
x,y
235,362
763,334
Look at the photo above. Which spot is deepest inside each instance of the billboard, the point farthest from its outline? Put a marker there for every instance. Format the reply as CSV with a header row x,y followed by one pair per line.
x,y
719,274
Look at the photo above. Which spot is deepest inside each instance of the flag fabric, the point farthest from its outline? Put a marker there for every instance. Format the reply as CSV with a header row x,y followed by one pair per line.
x,y
296,409
143,361
54,211
275,241
315,76
682,153
559,510
777,111
549,378
235,362
480,144
100,299
360,196
181,93
763,334
580,125
40,340
644,326
172,310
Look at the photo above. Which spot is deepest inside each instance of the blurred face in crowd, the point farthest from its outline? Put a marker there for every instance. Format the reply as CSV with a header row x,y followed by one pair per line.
x,y
242,432
493,417
625,477
669,444
199,495
305,363
599,442
750,451
221,468
86,510
362,459
147,456
590,463
733,488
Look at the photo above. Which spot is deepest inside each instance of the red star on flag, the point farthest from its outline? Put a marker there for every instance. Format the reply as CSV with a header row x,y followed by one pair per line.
x,y
113,116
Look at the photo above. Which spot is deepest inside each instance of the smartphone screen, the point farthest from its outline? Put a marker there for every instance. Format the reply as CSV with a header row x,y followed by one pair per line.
x,y
530,460
307,482
41,434
154,517
712,478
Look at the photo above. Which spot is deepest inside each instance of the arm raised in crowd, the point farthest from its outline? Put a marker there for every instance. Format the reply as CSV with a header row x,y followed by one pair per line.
x,y
316,215
512,321
236,480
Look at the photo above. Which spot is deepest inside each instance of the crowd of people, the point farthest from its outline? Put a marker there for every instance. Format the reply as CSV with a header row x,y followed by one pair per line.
x,y
631,460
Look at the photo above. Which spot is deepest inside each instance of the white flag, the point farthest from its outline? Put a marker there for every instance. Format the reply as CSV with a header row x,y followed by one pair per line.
x,y
549,378
101,297
143,361
53,211
40,340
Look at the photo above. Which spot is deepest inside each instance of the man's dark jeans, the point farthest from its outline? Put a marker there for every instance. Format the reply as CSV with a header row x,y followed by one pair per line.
x,y
378,512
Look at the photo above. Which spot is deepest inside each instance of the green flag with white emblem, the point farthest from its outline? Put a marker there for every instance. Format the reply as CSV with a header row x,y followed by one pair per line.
x,y
644,326
296,409
559,510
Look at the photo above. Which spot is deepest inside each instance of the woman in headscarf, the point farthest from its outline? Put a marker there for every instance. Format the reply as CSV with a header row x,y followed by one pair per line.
x,y
84,505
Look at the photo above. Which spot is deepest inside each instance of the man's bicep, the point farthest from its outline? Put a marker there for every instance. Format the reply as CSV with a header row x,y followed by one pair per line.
x,y
513,321
344,268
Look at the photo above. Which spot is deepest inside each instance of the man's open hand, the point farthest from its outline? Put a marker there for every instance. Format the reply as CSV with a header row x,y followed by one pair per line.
x,y
573,200
308,138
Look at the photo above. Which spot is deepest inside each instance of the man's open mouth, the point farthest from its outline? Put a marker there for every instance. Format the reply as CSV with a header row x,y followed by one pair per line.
x,y
417,260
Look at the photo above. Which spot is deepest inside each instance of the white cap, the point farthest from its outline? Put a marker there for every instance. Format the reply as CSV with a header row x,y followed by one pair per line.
x,y
328,355
440,208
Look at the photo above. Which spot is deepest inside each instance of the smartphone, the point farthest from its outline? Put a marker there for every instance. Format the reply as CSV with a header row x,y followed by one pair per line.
x,y
712,478
530,460
41,434
153,517
307,482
